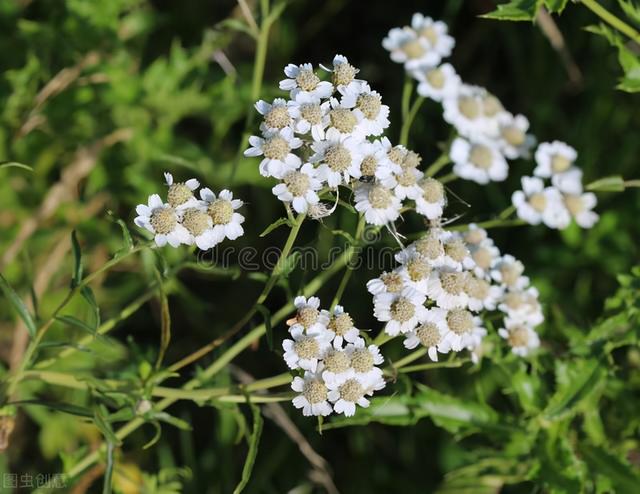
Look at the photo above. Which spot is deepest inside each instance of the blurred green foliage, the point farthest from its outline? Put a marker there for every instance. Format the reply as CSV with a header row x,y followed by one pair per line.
x,y
99,98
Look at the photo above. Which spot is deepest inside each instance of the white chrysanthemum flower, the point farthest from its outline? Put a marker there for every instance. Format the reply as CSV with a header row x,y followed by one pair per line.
x,y
485,256
308,113
475,236
522,306
302,79
536,203
375,162
464,110
401,311
405,46
514,140
580,207
336,366
415,271
200,226
391,282
339,158
372,116
364,360
180,194
482,294
276,147
437,83
429,246
222,211
432,200
569,182
309,315
396,155
306,349
553,157
378,204
521,338
448,288
436,33
343,120
431,333
463,329
277,115
343,73
474,342
341,326
457,255
508,272
480,161
299,187
162,220
313,395
346,394
405,183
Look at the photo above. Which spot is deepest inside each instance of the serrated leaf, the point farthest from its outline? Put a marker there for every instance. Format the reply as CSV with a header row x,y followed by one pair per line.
x,y
266,314
77,260
254,441
18,305
631,9
276,224
555,6
515,10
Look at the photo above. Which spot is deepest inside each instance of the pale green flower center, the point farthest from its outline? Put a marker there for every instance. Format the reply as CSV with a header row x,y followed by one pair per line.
x,y
343,74
369,166
413,49
337,361
307,80
307,348
195,221
278,117
436,78
433,190
538,202
379,197
418,269
178,194
276,148
311,113
362,360
513,135
314,391
491,106
456,250
481,156
460,321
453,283
338,158
340,324
428,334
430,247
351,391
163,220
369,105
343,119
469,107
402,310
307,316
559,163
221,211
297,183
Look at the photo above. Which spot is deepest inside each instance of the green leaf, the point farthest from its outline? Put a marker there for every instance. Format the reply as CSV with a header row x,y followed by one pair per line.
x,y
108,472
276,224
76,323
515,10
60,407
87,294
607,184
174,421
14,164
126,235
254,441
619,472
99,414
266,314
165,325
555,6
77,260
288,265
632,10
18,305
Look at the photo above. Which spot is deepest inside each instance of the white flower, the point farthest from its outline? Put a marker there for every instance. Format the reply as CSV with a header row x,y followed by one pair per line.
x,y
484,255
553,157
299,187
162,220
463,329
535,204
407,47
522,306
396,155
392,282
379,205
364,360
437,83
339,157
448,288
346,394
514,140
479,160
313,395
342,73
276,146
375,162
180,194
277,115
309,315
401,312
431,202
306,348
302,79
199,224
464,111
457,255
226,222
429,246
482,294
405,183
569,182
415,272
431,333
309,114
336,366
580,207
436,33
341,326
476,236
508,272
372,116
521,338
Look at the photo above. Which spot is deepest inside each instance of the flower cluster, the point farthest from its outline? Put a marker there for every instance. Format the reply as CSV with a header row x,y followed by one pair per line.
x,y
555,204
329,134
340,370
445,280
185,220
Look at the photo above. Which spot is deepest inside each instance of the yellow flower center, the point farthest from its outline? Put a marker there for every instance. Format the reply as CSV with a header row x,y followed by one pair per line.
x,y
178,194
418,269
460,321
362,360
430,34
430,247
559,163
337,361
574,204
413,49
481,156
307,348
482,258
221,211
307,80
469,107
369,105
343,74
163,220
436,78
491,106
428,334
379,197
343,119
195,221
351,391
456,250
314,391
278,117
297,183
402,310
513,135
393,282
276,148
311,113
307,316
369,166
518,336
453,283
538,202
337,157
340,324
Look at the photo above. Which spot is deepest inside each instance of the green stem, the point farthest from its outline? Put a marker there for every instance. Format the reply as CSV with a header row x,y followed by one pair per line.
x,y
632,183
407,89
408,121
611,19
507,212
490,224
348,270
442,161
433,365
449,177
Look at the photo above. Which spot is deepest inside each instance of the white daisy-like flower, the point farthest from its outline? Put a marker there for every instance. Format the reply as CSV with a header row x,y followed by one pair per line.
x,y
553,157
364,360
336,366
457,255
448,288
387,282
309,315
536,203
580,206
436,33
463,329
475,236
340,324
396,155
521,338
522,306
276,147
431,202
200,226
478,160
431,333
474,342
344,120
371,115
277,115
343,73
429,247
405,183
306,349
180,194
464,110
299,187
378,204
569,182
308,113
402,312
375,163
346,394
485,256
339,158
508,272
415,271
313,395
222,211
514,140
405,46
437,83
162,220
482,294
302,79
